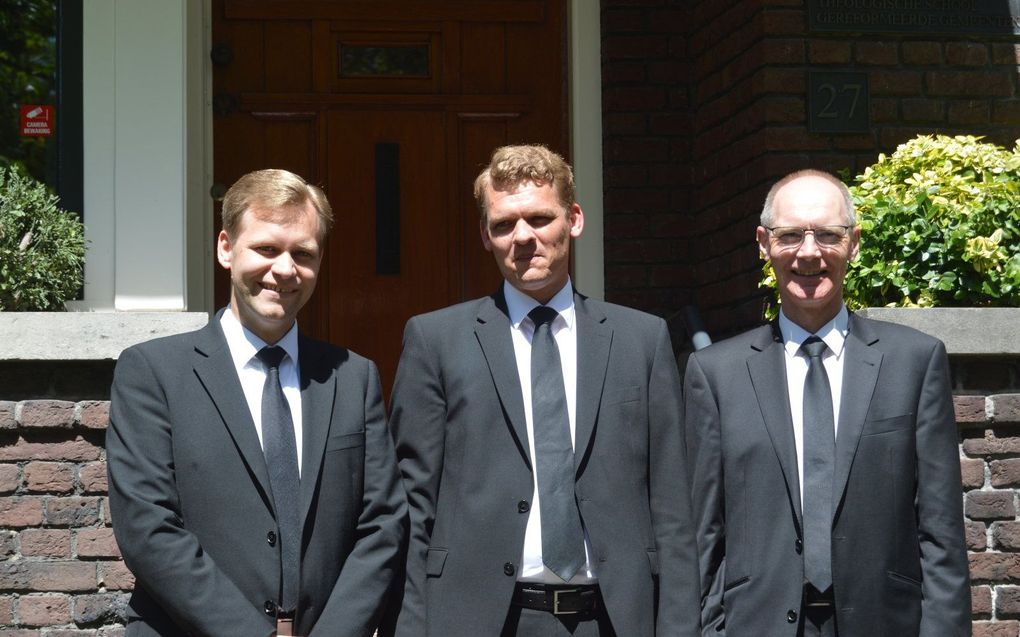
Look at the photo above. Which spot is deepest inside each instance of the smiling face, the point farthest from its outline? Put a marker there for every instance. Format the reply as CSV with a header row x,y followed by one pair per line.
x,y
809,276
273,261
528,231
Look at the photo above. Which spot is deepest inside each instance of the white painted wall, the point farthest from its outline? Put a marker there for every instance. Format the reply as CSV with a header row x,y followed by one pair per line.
x,y
139,141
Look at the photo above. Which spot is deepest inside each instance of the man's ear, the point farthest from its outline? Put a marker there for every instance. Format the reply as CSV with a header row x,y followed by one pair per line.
x,y
763,242
223,249
483,228
576,217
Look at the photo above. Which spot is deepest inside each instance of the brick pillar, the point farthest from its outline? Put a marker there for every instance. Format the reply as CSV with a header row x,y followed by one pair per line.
x,y
646,148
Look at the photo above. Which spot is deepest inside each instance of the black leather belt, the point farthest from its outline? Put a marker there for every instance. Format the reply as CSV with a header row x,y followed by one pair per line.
x,y
557,599
815,599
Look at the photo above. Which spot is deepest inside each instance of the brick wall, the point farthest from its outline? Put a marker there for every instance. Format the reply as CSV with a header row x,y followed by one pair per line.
x,y
990,460
62,576
705,105
646,145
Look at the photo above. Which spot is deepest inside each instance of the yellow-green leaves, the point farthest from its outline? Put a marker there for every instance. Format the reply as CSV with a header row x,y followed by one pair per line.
x,y
940,221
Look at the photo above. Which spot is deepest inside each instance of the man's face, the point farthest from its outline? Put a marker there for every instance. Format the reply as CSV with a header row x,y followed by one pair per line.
x,y
809,275
528,231
273,262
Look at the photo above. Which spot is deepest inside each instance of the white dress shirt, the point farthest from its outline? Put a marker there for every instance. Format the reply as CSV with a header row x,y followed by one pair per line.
x,y
834,334
564,330
243,346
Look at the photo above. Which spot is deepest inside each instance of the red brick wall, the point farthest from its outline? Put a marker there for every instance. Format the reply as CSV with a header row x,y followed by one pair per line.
x,y
990,460
704,106
61,574
646,146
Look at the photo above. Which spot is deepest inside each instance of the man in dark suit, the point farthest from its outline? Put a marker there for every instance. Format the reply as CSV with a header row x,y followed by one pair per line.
x,y
252,479
542,453
826,477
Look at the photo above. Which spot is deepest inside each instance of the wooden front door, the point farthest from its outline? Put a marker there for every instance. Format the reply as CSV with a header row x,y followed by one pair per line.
x,y
392,106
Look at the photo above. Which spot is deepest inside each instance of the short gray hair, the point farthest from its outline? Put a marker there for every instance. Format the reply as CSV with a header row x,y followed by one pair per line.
x,y
768,213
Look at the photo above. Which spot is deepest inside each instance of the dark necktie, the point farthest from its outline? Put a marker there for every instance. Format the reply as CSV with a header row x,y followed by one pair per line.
x,y
281,457
562,535
819,456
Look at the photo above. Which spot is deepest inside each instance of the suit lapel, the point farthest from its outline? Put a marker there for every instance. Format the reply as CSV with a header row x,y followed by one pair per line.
x,y
215,370
767,366
318,393
493,333
594,338
860,374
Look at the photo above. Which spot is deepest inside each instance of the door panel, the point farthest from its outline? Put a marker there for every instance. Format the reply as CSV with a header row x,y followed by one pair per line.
x,y
322,87
365,306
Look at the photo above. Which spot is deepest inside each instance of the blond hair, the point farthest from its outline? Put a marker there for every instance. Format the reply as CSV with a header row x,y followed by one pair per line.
x,y
511,166
269,190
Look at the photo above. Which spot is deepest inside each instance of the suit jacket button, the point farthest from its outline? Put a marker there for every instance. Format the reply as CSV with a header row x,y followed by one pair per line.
x,y
523,506
791,616
270,608
271,538
508,569
798,546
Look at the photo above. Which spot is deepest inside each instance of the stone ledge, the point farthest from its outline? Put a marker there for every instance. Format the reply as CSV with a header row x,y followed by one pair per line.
x,y
55,336
972,331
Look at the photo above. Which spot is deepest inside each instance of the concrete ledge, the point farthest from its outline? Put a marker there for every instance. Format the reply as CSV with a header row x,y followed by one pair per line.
x,y
38,336
977,331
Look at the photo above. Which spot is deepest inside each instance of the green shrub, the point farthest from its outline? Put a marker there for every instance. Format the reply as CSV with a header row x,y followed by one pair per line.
x,y
42,247
940,226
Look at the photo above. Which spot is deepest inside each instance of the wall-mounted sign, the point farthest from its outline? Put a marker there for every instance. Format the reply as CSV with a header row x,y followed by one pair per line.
x,y
964,17
37,120
838,102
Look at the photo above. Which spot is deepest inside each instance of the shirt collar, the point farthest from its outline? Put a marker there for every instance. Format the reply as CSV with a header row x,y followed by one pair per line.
x,y
244,344
518,304
833,333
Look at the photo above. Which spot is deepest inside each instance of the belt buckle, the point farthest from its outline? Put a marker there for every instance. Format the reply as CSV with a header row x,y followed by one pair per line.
x,y
285,626
819,600
556,601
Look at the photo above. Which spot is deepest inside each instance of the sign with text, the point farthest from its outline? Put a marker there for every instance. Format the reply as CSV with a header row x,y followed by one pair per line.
x,y
838,102
961,17
37,120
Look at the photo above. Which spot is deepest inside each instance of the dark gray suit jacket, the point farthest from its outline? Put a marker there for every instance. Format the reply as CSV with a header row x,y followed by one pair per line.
x,y
458,419
192,505
899,562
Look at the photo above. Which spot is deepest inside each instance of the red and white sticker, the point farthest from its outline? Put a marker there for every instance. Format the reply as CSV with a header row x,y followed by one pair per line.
x,y
37,120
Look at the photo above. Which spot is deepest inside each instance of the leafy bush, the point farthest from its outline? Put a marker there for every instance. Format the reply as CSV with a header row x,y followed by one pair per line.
x,y
940,226
42,247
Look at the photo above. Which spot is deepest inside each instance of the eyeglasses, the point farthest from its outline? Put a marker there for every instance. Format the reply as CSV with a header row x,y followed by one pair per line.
x,y
791,236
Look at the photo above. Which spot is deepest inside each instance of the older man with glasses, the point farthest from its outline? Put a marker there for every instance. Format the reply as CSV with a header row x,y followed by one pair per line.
x,y
826,478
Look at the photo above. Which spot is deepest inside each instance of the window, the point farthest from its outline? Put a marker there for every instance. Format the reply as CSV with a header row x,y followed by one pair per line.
x,y
40,93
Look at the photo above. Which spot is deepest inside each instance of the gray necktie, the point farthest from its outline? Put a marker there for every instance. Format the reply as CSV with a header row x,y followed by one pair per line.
x,y
280,449
819,456
562,535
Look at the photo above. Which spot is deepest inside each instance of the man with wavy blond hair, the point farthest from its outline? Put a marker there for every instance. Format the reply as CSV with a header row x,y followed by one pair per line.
x,y
540,443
